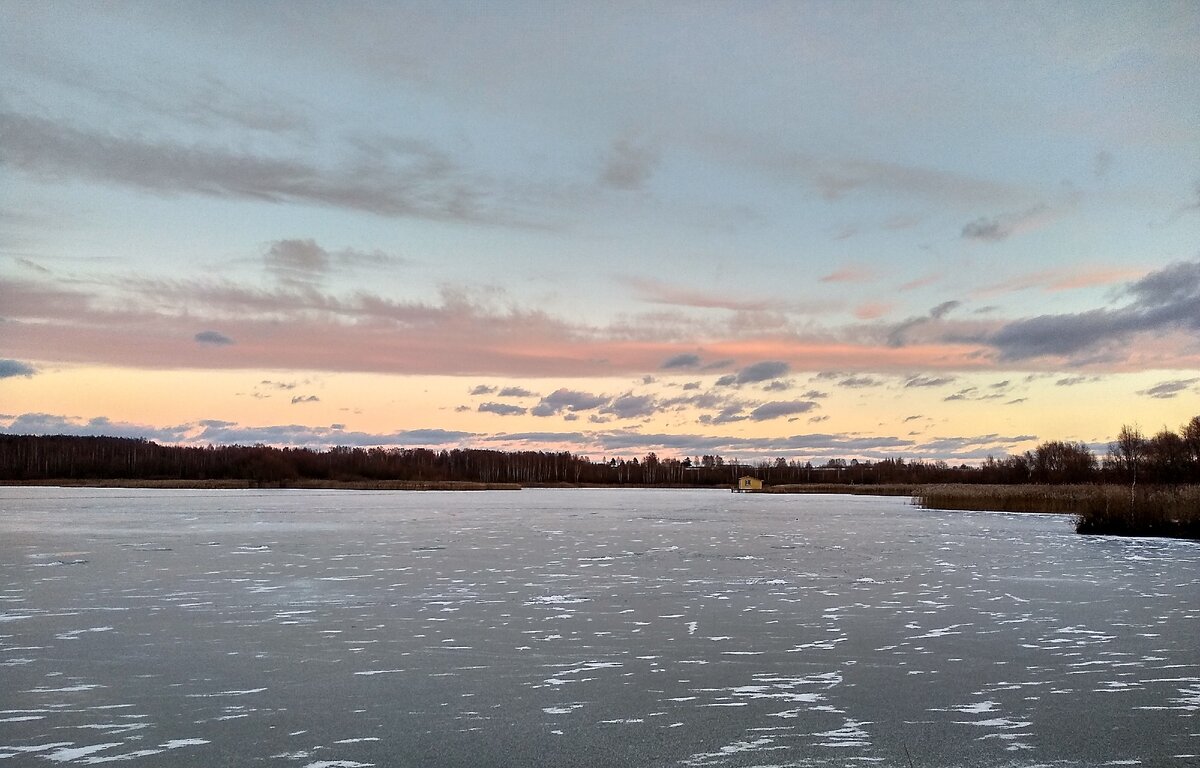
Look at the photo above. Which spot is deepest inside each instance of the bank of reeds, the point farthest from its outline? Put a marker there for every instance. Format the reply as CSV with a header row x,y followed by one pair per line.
x,y
1100,509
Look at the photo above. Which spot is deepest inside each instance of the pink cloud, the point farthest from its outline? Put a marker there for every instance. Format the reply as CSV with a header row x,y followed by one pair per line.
x,y
1063,279
850,274
872,310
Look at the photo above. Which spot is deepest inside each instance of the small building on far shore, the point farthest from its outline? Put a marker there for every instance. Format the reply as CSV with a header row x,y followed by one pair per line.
x,y
747,483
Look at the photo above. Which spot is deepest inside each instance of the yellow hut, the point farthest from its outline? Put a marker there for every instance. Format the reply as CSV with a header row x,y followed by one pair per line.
x,y
747,483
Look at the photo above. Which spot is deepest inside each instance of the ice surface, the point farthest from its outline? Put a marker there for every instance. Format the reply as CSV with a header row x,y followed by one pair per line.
x,y
583,627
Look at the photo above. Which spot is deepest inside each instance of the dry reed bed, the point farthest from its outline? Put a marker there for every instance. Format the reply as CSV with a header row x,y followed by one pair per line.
x,y
1108,509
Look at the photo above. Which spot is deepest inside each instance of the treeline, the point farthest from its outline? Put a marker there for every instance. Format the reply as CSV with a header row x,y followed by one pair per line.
x,y
1165,458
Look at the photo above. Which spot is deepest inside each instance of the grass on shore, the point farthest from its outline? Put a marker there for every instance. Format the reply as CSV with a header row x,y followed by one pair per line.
x,y
1101,509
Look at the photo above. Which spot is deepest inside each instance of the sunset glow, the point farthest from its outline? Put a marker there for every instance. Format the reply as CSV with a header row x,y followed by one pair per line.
x,y
928,230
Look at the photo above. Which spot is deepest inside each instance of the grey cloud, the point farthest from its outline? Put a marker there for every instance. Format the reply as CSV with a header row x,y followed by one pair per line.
x,y
1164,300
898,336
859,382
535,437
301,263
943,309
727,415
764,371
297,261
630,406
1167,389
212,337
928,381
516,392
568,400
297,435
728,380
1001,227
685,360
502,409
13,368
629,165
1071,381
774,410
691,385
48,424
298,399
778,386
397,179
482,389
984,229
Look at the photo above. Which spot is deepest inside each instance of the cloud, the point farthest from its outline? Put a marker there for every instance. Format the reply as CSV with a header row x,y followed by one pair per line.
x,y
683,360
387,177
764,371
482,389
502,409
516,392
1071,381
850,274
221,432
1165,300
928,381
12,368
630,406
296,261
728,380
1102,163
673,294
778,386
1057,280
898,336
212,337
568,400
628,165
943,309
859,382
299,399
48,424
774,410
303,263
997,228
872,310
1166,390
727,415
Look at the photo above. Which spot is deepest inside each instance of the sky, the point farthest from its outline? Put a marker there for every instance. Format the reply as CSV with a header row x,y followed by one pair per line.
x,y
928,230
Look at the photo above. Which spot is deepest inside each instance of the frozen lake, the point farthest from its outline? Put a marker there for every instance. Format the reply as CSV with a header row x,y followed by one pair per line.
x,y
336,629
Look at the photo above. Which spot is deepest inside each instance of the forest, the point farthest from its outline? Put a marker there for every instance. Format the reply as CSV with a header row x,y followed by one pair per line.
x,y
1165,458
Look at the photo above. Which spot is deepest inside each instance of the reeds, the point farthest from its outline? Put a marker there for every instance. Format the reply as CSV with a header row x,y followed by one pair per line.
x,y
1100,509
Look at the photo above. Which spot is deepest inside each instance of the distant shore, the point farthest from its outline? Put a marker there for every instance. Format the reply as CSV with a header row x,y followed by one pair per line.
x,y
342,485
1155,510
